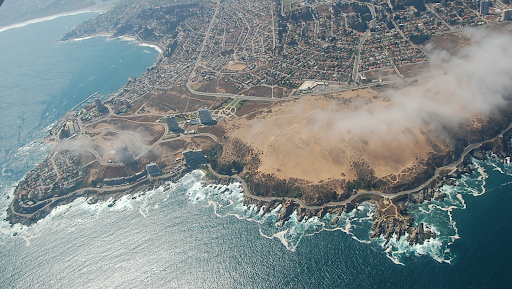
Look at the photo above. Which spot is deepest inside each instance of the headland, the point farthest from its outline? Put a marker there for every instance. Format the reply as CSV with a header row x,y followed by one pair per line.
x,y
305,134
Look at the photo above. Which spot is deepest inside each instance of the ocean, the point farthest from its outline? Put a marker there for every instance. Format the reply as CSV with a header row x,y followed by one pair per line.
x,y
192,235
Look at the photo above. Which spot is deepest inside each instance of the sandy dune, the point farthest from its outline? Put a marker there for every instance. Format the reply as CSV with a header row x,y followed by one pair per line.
x,y
302,139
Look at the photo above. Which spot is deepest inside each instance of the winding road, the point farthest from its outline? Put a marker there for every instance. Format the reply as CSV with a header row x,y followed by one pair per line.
x,y
360,194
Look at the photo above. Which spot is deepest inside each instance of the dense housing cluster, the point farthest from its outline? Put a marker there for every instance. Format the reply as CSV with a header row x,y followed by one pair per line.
x,y
242,47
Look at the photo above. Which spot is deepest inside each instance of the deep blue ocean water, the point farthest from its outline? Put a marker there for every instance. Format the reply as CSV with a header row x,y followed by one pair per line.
x,y
189,235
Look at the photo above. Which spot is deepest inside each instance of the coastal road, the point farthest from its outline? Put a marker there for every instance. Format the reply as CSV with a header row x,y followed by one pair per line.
x,y
361,194
247,192
80,192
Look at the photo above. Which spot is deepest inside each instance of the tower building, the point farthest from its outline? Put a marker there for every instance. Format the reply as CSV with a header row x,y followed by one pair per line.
x,y
205,116
172,123
507,15
100,106
484,7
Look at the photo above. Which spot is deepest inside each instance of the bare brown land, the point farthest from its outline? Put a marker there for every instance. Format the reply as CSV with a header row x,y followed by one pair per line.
x,y
291,145
310,153
238,66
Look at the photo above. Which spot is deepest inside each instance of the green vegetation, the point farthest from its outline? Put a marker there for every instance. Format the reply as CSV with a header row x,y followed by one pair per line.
x,y
229,169
214,153
233,102
294,193
359,26
228,102
240,103
353,185
419,39
302,15
171,48
418,4
390,25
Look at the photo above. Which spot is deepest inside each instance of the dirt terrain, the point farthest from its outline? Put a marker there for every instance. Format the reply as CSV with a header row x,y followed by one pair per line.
x,y
295,141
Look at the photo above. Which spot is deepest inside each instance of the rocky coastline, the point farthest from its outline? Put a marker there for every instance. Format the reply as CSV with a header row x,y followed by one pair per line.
x,y
16,214
392,219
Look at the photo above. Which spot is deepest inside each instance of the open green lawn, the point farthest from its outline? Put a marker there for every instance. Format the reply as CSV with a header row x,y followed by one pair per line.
x,y
229,102
239,104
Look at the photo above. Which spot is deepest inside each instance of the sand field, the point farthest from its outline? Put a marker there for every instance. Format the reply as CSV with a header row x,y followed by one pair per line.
x,y
302,139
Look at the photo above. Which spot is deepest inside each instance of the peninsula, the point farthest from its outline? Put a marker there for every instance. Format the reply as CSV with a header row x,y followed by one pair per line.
x,y
314,106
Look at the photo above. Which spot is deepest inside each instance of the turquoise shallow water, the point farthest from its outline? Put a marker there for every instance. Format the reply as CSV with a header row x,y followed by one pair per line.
x,y
193,236
41,78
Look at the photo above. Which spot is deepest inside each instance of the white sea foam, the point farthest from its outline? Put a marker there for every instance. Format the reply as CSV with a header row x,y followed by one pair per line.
x,y
435,215
154,46
47,18
127,38
227,200
84,38
122,38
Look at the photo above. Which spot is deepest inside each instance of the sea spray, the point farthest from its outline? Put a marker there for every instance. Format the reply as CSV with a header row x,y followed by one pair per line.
x,y
227,200
436,215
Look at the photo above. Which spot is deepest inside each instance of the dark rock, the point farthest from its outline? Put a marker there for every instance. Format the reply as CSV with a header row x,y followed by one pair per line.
x,y
321,213
286,211
477,154
349,207
440,197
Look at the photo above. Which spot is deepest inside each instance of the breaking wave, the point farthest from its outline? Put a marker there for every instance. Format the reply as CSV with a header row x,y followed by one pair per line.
x,y
227,200
48,18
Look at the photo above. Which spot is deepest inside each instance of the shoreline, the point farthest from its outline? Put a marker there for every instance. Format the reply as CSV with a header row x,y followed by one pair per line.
x,y
93,194
92,9
382,225
250,198
362,194
290,205
110,36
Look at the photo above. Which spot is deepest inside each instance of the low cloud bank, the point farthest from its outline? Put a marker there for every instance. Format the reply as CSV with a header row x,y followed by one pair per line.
x,y
471,82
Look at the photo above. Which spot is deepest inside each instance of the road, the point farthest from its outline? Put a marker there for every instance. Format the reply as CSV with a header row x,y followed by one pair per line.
x,y
206,37
357,59
442,20
247,192
273,26
83,190
258,98
360,194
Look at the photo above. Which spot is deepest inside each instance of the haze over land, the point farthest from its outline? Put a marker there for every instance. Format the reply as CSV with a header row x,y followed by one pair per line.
x,y
315,138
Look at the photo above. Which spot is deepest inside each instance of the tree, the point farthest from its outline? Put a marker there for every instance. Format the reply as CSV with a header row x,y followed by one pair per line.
x,y
419,39
359,26
64,133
